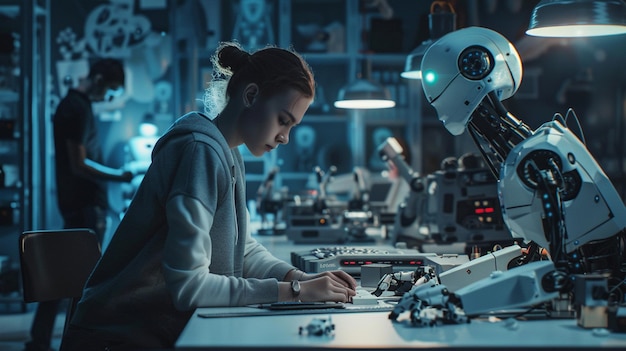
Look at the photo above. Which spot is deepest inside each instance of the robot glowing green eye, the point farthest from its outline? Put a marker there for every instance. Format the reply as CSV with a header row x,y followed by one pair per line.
x,y
430,77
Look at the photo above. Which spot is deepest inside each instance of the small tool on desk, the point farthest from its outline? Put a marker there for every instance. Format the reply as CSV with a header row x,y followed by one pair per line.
x,y
318,327
299,305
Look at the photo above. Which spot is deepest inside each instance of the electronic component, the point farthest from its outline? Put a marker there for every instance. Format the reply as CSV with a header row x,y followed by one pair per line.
x,y
373,272
316,220
462,206
457,204
591,300
350,259
305,226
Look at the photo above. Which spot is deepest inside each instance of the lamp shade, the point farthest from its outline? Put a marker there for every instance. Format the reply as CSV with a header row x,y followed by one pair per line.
x,y
413,64
364,94
439,24
577,18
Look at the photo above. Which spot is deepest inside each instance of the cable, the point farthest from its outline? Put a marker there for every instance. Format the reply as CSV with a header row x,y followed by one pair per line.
x,y
560,117
513,124
571,111
521,314
618,286
517,315
473,133
556,223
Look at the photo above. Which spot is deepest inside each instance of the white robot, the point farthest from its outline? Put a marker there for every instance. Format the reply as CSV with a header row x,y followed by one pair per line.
x,y
554,196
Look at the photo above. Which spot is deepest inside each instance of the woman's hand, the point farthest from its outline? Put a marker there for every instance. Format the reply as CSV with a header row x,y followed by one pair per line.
x,y
327,287
336,286
338,275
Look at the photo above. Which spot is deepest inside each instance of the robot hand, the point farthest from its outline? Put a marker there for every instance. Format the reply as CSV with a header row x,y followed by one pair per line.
x,y
429,304
401,282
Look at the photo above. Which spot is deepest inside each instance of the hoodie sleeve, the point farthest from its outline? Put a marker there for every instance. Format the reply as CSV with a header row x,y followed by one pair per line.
x,y
197,243
260,263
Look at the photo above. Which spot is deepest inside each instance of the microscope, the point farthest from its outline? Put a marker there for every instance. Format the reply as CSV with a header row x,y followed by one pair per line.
x,y
554,197
319,219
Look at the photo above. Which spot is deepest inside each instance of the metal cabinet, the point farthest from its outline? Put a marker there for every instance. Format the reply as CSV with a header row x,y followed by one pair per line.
x,y
24,155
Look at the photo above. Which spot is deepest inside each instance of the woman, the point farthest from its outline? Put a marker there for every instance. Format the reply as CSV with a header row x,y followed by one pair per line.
x,y
184,241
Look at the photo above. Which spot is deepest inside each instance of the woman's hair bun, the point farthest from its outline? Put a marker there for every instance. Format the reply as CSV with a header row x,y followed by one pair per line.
x,y
272,69
232,57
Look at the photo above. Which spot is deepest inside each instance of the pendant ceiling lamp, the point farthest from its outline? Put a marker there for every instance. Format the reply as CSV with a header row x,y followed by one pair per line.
x,y
363,93
577,18
441,21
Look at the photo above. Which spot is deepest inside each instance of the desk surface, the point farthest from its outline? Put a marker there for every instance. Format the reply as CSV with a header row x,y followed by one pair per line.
x,y
359,330
246,328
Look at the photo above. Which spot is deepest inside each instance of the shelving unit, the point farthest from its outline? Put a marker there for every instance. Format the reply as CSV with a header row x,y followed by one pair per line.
x,y
333,36
10,134
343,136
24,112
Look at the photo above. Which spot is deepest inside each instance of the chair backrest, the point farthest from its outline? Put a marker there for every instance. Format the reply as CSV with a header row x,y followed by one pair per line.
x,y
55,264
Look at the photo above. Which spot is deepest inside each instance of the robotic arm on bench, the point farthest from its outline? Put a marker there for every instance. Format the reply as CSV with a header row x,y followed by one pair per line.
x,y
391,151
553,193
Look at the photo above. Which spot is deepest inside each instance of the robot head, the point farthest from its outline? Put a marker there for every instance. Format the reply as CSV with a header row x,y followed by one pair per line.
x,y
462,67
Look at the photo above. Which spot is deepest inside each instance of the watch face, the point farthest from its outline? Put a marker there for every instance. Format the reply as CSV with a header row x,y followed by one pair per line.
x,y
295,287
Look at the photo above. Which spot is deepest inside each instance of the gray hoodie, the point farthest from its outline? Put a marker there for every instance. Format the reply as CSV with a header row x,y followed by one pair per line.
x,y
183,243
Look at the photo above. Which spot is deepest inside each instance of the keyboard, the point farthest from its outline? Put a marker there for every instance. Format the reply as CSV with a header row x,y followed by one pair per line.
x,y
350,259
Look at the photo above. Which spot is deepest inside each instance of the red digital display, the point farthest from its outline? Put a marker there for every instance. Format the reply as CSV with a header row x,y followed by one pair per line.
x,y
484,210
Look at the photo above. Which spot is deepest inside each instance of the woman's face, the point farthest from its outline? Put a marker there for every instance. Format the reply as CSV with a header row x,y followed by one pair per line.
x,y
267,122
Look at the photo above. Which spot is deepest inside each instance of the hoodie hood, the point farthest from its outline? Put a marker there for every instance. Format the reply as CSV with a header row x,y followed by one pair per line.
x,y
192,122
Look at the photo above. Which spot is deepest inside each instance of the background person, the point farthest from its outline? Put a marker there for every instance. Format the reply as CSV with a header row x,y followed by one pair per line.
x,y
81,191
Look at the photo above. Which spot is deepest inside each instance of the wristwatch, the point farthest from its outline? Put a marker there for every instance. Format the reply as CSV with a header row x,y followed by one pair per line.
x,y
295,288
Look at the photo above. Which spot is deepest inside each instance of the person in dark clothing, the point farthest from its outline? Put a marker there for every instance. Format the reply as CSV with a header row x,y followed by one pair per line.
x,y
80,175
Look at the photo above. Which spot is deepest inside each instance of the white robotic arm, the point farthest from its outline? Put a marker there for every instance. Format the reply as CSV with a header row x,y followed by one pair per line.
x,y
521,287
410,209
554,193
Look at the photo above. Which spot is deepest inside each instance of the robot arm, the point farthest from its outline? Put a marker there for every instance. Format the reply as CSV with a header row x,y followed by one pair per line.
x,y
429,304
323,179
520,287
360,198
391,151
401,282
264,192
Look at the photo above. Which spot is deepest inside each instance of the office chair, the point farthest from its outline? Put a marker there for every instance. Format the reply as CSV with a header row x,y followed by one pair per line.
x,y
55,264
